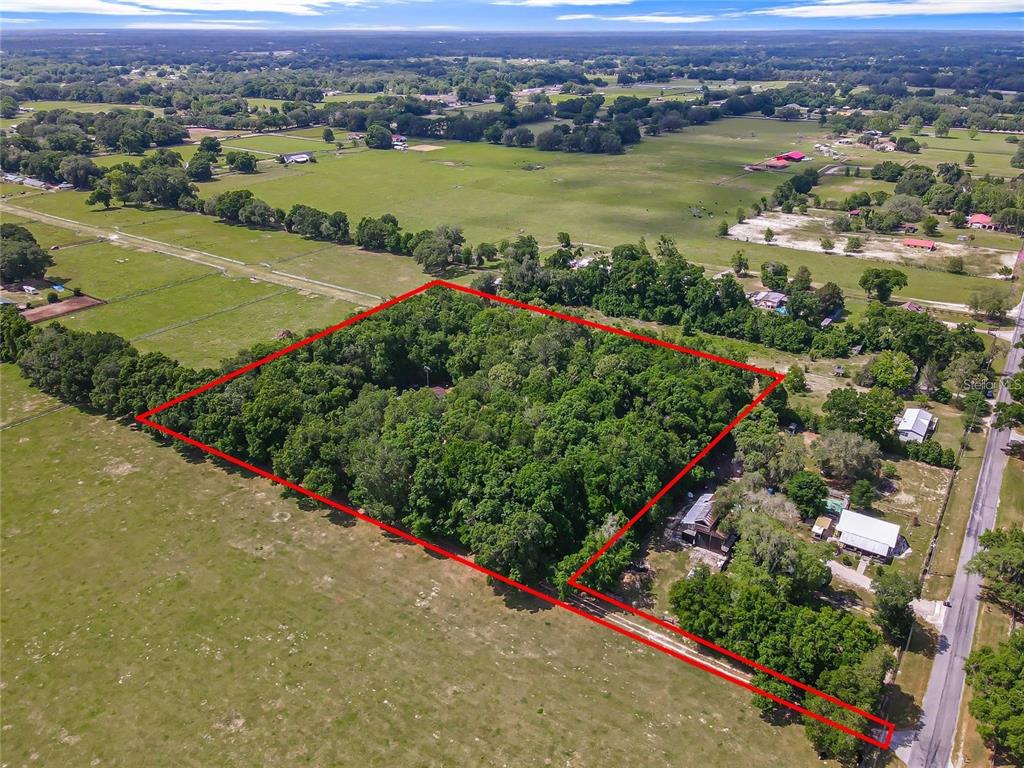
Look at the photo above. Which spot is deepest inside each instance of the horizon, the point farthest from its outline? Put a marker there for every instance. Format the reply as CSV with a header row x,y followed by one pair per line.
x,y
513,16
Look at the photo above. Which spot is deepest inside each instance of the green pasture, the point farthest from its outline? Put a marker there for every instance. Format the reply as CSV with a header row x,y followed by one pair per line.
x,y
992,152
276,144
206,342
111,272
185,150
680,185
171,307
80,106
202,619
602,199
383,274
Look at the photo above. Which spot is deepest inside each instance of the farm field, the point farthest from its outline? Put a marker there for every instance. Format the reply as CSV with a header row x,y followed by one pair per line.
x,y
276,143
111,272
670,185
992,152
81,106
403,658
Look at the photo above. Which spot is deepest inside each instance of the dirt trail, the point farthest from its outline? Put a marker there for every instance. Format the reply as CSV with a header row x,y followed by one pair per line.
x,y
227,266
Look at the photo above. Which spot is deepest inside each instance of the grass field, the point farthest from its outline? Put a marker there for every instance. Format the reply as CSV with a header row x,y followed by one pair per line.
x,y
680,185
276,143
81,106
992,152
201,619
110,272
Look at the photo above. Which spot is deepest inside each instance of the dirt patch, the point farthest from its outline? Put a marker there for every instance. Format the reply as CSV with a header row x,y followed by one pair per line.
x,y
198,133
120,468
66,307
801,232
424,147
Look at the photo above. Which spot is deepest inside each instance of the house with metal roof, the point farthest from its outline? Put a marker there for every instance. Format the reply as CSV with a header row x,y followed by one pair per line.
x,y
869,534
915,425
699,526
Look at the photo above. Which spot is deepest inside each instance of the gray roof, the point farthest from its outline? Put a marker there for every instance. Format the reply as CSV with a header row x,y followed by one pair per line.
x,y
701,511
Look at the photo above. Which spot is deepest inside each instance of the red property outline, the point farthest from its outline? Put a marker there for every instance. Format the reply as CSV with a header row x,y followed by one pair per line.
x,y
145,418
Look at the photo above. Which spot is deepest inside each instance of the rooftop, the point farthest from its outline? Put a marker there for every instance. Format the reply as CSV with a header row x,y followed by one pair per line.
x,y
867,533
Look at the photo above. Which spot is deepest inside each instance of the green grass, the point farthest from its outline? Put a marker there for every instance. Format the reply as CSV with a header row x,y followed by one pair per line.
x,y
155,606
172,306
599,199
185,150
992,152
274,143
206,342
80,106
110,272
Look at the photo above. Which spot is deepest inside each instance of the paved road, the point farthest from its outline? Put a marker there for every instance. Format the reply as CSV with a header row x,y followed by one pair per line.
x,y
933,746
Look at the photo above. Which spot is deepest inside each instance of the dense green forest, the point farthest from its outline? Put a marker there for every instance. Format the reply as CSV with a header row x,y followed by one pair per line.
x,y
535,440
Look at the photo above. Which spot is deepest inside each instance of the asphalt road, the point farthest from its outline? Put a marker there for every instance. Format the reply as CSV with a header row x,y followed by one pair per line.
x,y
933,745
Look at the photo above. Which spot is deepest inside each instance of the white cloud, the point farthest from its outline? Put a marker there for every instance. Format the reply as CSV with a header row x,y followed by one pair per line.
x,y
99,7
8,20
873,9
555,3
647,18
192,25
179,7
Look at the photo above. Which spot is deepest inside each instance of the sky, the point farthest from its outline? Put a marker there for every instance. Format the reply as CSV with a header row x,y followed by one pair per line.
x,y
516,15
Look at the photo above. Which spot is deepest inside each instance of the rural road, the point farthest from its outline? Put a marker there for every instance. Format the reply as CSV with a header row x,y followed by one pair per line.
x,y
230,267
933,744
678,644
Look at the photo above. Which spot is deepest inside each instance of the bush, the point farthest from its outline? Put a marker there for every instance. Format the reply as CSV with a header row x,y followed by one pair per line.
x,y
52,297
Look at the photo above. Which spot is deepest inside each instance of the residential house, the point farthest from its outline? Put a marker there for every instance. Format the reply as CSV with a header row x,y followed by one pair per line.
x,y
793,157
699,526
869,535
915,425
980,221
772,300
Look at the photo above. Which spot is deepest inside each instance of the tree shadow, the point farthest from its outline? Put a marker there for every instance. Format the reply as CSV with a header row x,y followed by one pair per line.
x,y
517,599
902,710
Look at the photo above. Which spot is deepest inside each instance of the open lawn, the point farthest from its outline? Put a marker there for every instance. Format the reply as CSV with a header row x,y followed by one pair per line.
x,y
206,342
81,106
992,152
276,143
202,619
680,185
110,272
169,307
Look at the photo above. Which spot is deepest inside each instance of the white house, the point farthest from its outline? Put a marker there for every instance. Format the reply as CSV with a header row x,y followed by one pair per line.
x,y
868,534
915,425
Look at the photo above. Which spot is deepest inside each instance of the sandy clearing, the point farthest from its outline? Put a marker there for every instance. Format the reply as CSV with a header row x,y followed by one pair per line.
x,y
788,233
424,147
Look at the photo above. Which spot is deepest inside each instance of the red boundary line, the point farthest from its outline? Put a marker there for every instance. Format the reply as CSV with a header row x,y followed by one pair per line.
x,y
777,378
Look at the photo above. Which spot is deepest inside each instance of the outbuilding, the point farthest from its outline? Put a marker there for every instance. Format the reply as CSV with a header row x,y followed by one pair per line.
x,y
913,242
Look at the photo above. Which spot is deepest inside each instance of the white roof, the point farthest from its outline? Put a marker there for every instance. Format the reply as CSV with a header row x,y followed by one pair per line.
x,y
916,421
867,533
